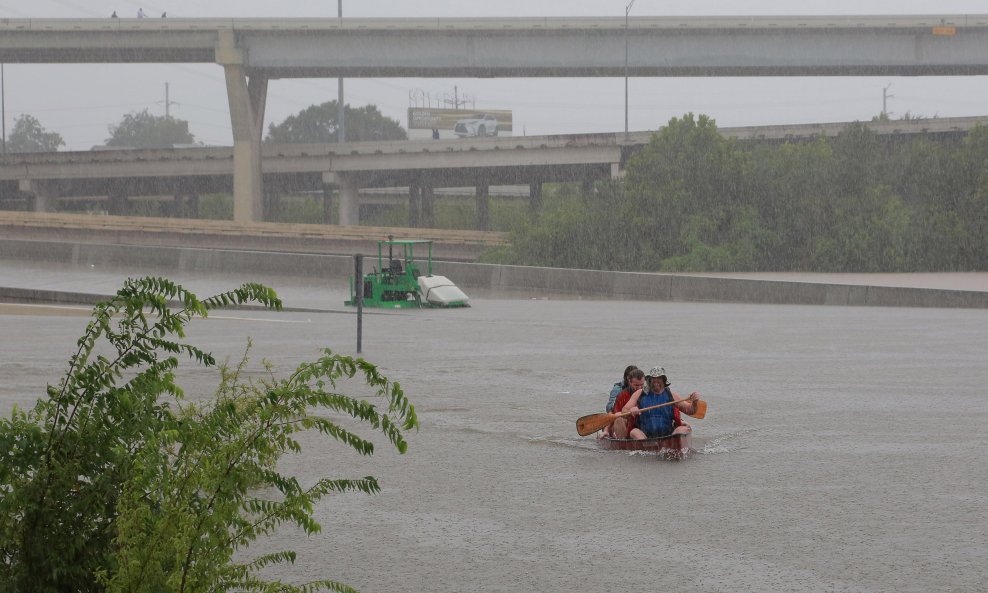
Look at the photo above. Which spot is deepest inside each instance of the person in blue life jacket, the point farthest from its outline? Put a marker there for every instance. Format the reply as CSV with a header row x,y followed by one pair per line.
x,y
662,421
619,387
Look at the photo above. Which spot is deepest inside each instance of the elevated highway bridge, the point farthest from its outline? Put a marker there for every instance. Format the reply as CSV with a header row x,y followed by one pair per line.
x,y
253,51
342,170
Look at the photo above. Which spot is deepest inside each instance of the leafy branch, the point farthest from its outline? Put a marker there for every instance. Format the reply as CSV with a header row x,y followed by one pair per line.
x,y
115,482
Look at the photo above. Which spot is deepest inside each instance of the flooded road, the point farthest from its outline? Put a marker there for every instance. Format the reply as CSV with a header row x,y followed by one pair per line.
x,y
843,450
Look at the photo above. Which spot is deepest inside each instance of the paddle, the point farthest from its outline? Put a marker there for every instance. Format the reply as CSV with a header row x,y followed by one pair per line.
x,y
593,422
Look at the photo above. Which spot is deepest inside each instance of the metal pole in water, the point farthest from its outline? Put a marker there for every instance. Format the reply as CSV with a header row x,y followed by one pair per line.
x,y
358,278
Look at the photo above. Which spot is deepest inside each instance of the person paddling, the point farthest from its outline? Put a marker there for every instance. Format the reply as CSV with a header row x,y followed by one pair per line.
x,y
662,421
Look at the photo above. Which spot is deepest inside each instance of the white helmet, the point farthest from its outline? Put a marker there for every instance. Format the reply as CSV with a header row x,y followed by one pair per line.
x,y
657,372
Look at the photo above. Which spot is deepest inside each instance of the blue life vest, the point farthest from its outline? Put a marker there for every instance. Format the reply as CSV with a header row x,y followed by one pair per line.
x,y
659,422
615,391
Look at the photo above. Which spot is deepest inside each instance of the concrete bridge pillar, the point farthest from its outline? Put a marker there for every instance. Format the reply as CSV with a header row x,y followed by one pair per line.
x,y
185,203
117,202
42,193
349,200
271,202
247,100
192,205
535,197
327,203
483,207
428,206
414,204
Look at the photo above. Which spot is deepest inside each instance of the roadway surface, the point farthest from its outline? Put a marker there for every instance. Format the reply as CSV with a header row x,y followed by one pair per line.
x,y
328,293
843,448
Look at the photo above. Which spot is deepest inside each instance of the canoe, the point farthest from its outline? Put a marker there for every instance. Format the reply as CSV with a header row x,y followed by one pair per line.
x,y
677,446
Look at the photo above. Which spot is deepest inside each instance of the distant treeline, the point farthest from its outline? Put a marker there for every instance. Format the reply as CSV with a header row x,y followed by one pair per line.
x,y
692,200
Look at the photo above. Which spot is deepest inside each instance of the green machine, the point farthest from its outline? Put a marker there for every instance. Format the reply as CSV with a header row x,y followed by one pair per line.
x,y
398,282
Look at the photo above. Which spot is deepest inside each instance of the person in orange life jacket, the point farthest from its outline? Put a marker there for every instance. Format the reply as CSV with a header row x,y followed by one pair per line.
x,y
660,421
621,427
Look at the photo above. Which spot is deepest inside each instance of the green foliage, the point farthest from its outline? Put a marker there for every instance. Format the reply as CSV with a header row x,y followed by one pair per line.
x,y
728,241
574,230
869,234
143,130
216,206
504,214
115,482
692,200
317,124
28,135
301,209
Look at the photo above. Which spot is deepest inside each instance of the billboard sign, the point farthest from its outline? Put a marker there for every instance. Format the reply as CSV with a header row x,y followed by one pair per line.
x,y
463,123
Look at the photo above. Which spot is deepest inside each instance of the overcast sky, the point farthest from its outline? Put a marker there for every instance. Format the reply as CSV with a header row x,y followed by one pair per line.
x,y
81,101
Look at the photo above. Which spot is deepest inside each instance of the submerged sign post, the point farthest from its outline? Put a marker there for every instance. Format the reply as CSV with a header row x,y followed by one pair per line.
x,y
358,274
460,123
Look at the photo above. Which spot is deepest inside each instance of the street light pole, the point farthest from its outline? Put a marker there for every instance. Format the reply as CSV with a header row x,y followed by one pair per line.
x,y
3,113
627,11
340,115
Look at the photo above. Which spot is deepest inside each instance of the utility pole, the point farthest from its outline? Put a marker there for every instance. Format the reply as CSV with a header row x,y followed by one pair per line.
x,y
885,97
627,11
340,111
168,103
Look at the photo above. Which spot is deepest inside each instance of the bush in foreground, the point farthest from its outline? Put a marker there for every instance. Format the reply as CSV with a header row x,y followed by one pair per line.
x,y
116,482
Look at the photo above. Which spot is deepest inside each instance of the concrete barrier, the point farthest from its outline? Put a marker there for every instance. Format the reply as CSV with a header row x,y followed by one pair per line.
x,y
596,284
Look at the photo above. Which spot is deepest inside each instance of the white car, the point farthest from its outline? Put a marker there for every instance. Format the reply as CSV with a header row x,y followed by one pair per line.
x,y
481,124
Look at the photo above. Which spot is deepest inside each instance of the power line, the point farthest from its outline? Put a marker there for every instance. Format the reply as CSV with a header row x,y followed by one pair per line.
x,y
77,108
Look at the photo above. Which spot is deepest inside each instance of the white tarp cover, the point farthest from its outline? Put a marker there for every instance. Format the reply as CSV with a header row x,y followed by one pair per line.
x,y
439,290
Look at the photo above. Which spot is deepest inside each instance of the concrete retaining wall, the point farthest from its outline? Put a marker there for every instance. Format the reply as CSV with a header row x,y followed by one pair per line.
x,y
536,281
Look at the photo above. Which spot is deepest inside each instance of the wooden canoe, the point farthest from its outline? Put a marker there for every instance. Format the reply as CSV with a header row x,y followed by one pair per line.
x,y
677,446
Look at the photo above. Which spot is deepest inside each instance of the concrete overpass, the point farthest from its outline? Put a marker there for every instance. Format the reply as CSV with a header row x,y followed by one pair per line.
x,y
253,51
520,47
421,166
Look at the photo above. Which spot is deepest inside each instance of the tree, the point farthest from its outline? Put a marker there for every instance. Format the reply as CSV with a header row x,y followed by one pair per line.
x,y
692,200
795,188
27,135
116,483
687,170
861,158
143,130
317,124
870,233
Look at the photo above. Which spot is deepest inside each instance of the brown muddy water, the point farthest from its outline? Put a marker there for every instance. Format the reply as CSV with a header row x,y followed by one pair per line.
x,y
843,450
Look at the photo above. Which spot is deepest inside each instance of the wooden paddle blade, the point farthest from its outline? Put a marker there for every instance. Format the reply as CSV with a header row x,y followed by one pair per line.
x,y
701,410
593,422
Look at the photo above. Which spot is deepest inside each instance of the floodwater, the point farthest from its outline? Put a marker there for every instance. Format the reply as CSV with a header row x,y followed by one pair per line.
x,y
843,450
